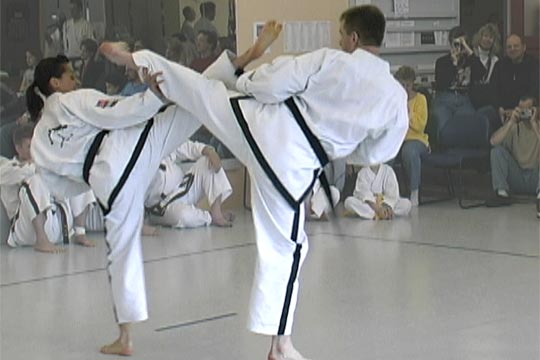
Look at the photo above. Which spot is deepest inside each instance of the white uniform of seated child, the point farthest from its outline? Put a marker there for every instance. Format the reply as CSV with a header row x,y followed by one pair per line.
x,y
376,195
37,219
173,195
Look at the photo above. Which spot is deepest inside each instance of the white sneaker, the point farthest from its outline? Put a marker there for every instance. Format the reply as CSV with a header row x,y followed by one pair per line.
x,y
502,193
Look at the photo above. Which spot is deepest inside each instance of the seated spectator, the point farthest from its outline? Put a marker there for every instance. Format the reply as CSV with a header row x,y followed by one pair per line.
x,y
515,157
452,80
485,68
32,58
416,141
114,82
206,49
181,50
376,195
518,76
92,70
37,219
173,196
134,84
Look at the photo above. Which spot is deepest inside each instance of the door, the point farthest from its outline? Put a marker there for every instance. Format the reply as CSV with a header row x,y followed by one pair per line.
x,y
525,21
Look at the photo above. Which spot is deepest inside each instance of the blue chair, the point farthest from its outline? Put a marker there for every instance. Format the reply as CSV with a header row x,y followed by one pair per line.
x,y
463,144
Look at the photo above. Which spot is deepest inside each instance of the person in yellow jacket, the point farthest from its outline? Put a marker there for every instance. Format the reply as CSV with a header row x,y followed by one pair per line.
x,y
416,141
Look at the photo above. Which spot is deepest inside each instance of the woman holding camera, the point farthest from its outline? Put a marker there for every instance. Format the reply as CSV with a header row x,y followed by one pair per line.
x,y
453,80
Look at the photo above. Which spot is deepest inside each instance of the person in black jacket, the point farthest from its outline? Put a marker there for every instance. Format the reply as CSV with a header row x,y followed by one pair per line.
x,y
453,80
92,70
518,76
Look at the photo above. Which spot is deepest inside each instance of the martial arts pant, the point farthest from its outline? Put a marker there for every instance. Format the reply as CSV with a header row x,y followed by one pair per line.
x,y
319,204
200,181
35,199
363,210
94,217
123,200
279,228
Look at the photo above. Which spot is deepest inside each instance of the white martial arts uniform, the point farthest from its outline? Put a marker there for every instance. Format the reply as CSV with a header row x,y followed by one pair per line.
x,y
377,186
350,102
24,196
172,196
113,144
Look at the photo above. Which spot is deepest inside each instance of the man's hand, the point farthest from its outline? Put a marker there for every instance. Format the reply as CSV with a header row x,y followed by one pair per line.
x,y
515,116
213,158
153,83
535,121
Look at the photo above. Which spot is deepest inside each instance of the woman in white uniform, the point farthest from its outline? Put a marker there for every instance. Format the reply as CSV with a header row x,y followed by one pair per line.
x,y
88,140
290,118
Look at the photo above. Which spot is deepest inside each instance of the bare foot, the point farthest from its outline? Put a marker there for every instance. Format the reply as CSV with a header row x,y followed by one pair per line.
x,y
222,221
148,230
118,53
47,247
117,348
84,241
268,35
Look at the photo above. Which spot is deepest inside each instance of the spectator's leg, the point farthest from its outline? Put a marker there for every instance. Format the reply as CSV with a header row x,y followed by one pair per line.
x,y
442,111
493,117
505,171
360,208
403,207
411,153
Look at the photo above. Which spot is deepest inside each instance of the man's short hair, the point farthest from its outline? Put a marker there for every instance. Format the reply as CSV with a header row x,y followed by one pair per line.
x,y
211,37
207,7
187,10
526,97
515,35
456,32
77,3
367,21
405,73
22,132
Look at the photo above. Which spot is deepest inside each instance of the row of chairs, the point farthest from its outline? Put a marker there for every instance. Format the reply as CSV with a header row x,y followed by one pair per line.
x,y
461,146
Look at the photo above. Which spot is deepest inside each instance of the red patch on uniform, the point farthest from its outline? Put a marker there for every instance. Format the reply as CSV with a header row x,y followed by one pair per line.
x,y
102,103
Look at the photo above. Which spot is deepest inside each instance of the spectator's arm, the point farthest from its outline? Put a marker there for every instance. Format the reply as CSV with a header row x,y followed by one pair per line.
x,y
362,189
391,188
502,133
418,115
12,173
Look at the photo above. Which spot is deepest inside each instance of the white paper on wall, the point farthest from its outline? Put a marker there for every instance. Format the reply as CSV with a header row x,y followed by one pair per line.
x,y
303,36
407,39
401,7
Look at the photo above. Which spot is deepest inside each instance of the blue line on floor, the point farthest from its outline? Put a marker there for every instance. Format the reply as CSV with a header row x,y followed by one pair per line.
x,y
195,322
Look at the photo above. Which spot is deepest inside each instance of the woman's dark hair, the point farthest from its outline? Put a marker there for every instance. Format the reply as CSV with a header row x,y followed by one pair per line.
x,y
45,70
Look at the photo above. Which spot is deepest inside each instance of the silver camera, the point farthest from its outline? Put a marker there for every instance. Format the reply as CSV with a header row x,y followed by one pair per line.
x,y
525,114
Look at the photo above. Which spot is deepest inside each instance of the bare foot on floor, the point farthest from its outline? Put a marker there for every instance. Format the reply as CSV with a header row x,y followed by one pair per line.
x,y
117,348
118,53
224,220
268,35
47,247
148,230
84,241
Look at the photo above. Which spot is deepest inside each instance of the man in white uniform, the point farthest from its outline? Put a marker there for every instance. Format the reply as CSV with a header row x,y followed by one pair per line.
x,y
288,115
376,195
172,196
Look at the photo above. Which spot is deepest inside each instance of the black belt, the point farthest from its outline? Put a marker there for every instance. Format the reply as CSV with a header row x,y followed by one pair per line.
x,y
313,141
93,151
